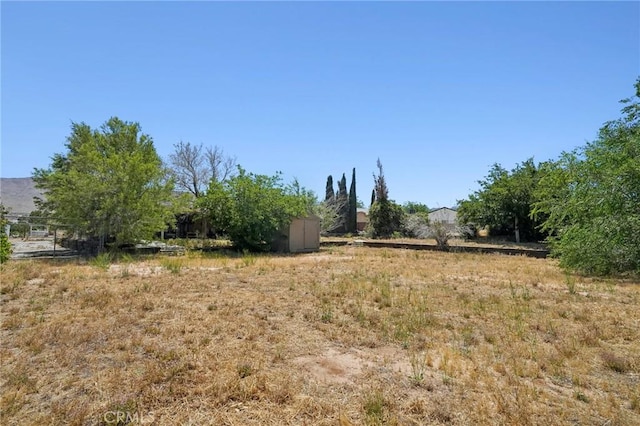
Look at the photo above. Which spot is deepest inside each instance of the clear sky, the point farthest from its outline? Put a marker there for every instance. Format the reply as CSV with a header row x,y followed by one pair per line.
x,y
437,91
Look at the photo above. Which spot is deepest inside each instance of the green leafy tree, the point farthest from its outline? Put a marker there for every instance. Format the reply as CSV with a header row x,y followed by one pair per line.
x,y
304,195
110,183
504,202
218,206
385,216
590,199
411,207
192,167
251,209
385,219
21,228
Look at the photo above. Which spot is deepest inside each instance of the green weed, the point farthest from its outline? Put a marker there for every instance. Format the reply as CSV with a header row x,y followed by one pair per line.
x,y
102,261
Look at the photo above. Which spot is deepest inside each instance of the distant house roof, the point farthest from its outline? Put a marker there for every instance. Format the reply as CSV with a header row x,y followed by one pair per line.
x,y
365,211
443,214
16,195
443,208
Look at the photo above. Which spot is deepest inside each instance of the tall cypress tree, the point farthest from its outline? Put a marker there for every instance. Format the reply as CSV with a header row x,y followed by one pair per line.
x,y
352,224
329,194
342,198
342,186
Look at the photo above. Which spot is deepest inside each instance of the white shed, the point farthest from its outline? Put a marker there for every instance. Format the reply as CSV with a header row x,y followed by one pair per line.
x,y
303,235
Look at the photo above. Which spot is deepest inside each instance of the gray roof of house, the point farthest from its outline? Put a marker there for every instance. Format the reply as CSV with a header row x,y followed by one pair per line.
x,y
443,208
16,195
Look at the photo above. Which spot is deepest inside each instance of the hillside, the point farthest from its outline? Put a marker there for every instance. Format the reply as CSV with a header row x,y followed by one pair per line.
x,y
16,194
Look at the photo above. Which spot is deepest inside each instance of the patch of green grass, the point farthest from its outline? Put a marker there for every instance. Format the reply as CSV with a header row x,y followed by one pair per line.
x,y
581,397
248,258
173,265
102,261
418,368
570,282
374,405
245,370
327,314
121,413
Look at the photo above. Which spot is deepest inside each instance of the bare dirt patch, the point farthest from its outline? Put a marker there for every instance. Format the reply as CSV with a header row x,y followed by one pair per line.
x,y
336,365
332,366
141,270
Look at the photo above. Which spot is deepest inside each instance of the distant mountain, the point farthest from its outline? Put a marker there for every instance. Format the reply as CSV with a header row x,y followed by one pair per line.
x,y
16,194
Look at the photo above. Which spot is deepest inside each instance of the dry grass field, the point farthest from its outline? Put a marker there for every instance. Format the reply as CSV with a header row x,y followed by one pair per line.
x,y
349,335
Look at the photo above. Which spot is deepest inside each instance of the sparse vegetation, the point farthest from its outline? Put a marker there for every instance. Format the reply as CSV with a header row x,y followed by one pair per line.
x,y
5,245
374,407
172,265
350,334
441,233
418,368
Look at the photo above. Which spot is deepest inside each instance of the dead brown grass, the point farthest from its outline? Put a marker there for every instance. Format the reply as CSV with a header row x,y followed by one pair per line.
x,y
350,335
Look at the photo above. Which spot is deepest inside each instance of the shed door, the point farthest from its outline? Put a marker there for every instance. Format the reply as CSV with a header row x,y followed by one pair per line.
x,y
311,234
296,236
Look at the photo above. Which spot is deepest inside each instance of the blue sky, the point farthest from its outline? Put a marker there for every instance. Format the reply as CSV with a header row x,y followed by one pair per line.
x,y
437,91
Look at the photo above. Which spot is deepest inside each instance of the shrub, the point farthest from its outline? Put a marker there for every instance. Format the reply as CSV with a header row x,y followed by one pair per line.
x,y
385,218
5,245
5,248
417,225
441,233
